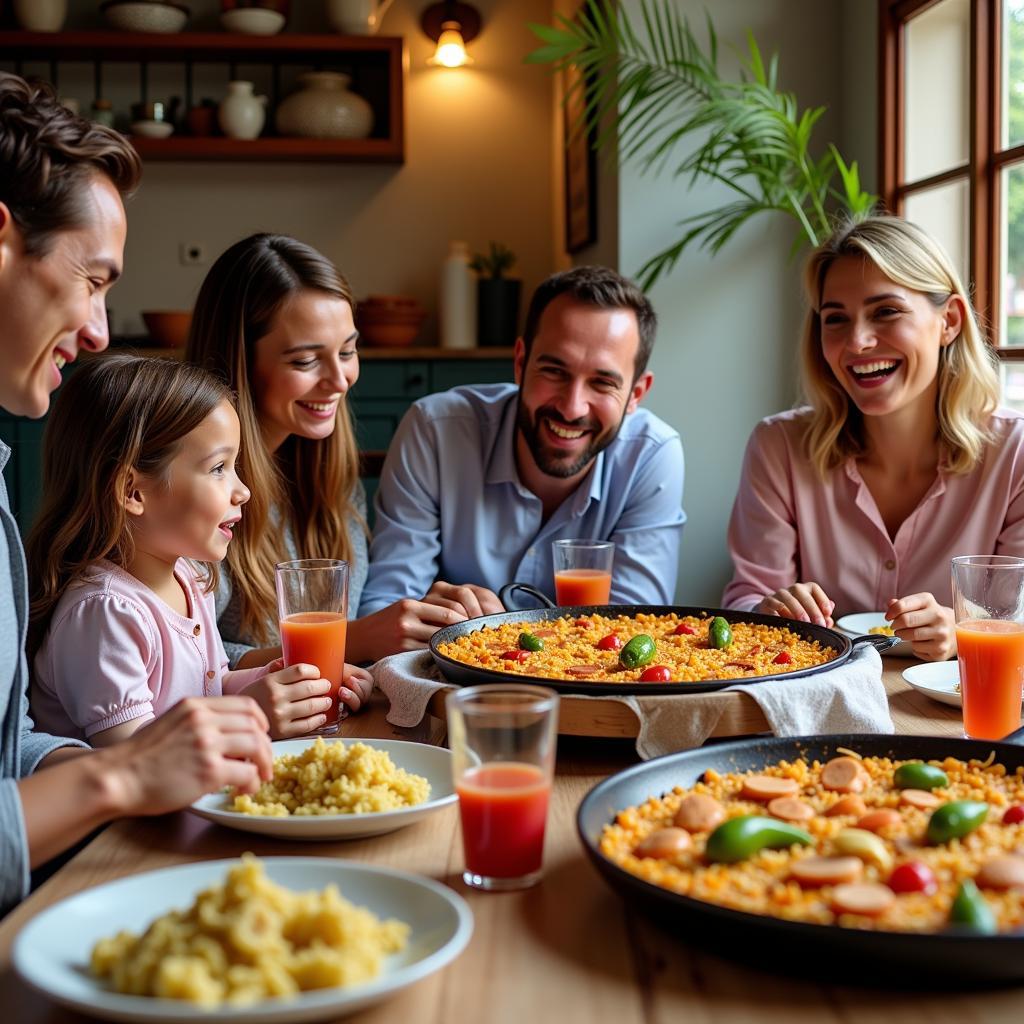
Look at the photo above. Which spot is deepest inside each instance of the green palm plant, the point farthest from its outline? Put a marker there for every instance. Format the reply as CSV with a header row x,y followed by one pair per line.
x,y
650,84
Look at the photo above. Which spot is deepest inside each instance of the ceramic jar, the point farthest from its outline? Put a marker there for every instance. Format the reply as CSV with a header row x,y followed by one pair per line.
x,y
357,17
324,109
41,15
241,113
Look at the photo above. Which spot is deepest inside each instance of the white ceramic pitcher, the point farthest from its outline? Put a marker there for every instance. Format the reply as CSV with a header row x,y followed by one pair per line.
x,y
357,17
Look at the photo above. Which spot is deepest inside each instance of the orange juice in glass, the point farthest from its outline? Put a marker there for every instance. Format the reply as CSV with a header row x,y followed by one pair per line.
x,y
988,602
583,571
312,602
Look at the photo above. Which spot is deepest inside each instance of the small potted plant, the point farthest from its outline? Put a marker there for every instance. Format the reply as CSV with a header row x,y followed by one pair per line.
x,y
497,296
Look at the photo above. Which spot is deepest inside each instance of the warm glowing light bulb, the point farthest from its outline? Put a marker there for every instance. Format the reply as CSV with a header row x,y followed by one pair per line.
x,y
451,49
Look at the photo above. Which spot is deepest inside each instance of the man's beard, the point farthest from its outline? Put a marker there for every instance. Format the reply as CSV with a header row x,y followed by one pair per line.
x,y
561,464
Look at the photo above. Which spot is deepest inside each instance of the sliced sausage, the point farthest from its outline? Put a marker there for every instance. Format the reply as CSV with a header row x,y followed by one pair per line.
x,y
867,898
544,634
844,775
877,820
1003,872
790,808
919,798
664,843
813,871
699,813
583,670
851,804
768,787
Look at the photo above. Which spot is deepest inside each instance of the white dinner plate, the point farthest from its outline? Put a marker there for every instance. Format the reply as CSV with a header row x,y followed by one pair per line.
x,y
861,623
51,952
434,763
936,679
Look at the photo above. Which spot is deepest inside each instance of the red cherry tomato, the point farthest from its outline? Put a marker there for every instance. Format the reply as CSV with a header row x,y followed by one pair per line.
x,y
684,628
782,658
1014,814
519,656
656,674
913,877
609,643
582,623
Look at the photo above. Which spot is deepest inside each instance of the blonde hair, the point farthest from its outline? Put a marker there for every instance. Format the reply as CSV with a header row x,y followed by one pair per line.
x,y
114,415
309,481
968,378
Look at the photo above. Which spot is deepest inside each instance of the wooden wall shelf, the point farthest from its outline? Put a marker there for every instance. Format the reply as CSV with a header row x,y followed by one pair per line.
x,y
375,63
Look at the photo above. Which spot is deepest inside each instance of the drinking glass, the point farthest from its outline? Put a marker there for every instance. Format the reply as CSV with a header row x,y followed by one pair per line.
x,y
583,571
312,605
502,739
988,602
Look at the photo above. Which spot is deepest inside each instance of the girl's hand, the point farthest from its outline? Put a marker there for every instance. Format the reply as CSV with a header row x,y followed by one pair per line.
x,y
804,601
358,685
925,624
293,699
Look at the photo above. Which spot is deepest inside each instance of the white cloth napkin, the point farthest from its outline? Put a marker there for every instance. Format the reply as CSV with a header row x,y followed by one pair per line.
x,y
850,698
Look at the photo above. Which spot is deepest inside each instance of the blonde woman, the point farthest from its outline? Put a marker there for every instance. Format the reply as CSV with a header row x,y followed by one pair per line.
x,y
902,458
274,320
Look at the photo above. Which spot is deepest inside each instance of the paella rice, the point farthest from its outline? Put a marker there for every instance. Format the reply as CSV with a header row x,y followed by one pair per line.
x,y
878,854
589,649
334,778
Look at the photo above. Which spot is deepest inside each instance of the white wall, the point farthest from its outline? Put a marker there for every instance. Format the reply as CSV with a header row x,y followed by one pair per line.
x,y
725,355
479,155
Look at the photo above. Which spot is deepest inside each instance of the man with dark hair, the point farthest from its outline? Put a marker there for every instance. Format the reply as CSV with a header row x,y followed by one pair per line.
x,y
480,480
62,235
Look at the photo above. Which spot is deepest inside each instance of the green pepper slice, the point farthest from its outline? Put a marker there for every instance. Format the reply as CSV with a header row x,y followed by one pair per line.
x,y
970,911
529,642
719,633
918,775
739,838
955,820
639,651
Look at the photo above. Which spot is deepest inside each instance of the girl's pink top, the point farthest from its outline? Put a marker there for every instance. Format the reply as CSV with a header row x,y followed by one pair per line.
x,y
789,526
116,652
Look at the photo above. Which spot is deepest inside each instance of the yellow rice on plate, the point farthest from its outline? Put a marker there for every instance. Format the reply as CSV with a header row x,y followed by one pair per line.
x,y
571,649
767,882
335,778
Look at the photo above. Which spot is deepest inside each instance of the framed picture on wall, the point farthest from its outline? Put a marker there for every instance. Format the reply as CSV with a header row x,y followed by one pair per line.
x,y
580,166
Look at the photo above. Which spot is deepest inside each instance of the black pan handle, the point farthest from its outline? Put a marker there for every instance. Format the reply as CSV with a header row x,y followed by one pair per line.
x,y
880,643
510,588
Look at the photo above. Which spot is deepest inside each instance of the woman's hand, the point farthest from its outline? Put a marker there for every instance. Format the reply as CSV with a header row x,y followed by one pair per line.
x,y
467,598
294,698
804,601
926,625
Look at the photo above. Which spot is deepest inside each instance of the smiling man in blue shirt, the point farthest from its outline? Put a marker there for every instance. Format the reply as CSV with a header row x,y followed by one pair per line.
x,y
479,480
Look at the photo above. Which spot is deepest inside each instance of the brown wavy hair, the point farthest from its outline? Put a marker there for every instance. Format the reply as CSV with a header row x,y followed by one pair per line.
x,y
48,156
968,377
115,415
310,482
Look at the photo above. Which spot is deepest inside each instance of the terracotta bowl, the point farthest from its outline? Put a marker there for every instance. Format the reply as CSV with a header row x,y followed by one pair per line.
x,y
390,320
168,328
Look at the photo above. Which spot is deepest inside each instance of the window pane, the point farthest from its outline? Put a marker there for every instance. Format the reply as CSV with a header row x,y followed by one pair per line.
x,y
1011,312
1013,385
944,213
1013,72
937,78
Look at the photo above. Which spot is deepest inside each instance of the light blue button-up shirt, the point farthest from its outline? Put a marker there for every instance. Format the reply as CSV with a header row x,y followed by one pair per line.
x,y
451,506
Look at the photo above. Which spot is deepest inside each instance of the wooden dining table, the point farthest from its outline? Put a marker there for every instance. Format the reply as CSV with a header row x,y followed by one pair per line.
x,y
569,950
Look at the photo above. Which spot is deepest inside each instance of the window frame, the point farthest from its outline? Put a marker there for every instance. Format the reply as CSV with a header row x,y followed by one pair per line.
x,y
986,159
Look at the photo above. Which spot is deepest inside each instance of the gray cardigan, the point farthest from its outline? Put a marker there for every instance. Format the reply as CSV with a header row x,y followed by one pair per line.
x,y
21,749
229,613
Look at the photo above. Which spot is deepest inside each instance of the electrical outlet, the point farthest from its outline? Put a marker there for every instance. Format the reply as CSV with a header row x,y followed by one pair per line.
x,y
192,254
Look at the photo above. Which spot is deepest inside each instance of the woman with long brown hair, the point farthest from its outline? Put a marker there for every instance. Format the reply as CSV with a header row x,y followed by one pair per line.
x,y
274,320
901,458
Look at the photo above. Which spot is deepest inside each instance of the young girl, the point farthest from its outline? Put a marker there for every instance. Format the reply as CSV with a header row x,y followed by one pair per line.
x,y
138,479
